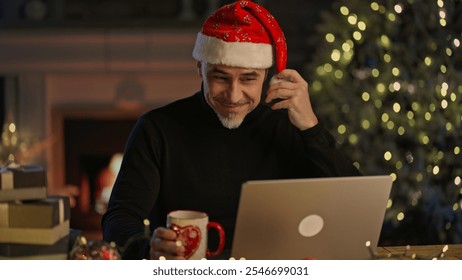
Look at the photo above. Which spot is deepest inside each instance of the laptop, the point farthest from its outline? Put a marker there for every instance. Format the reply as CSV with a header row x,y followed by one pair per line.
x,y
324,218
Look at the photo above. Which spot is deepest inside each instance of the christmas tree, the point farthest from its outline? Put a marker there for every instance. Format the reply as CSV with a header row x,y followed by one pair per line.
x,y
387,79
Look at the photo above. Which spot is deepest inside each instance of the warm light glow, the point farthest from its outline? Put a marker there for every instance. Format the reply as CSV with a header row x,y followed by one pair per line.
x,y
385,117
387,156
341,129
12,127
457,180
387,58
456,43
330,37
374,6
396,107
428,116
394,177
395,71
400,216
357,35
348,55
353,139
362,25
385,41
444,89
443,69
352,19
335,56
320,71
328,67
344,10
436,170
391,17
442,14
366,124
346,47
444,104
428,61
316,85
390,125
366,96
389,203
398,8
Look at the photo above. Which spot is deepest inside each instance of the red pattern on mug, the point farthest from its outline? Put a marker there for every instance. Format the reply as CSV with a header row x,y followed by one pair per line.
x,y
190,237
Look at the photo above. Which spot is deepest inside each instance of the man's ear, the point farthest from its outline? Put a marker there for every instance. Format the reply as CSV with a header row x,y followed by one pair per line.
x,y
199,68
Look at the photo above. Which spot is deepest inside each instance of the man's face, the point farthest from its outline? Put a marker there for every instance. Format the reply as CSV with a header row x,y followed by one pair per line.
x,y
232,92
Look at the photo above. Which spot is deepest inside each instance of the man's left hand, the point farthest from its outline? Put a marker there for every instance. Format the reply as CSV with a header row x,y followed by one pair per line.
x,y
289,86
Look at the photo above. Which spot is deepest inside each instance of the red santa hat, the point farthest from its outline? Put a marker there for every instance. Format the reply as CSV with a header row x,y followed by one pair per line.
x,y
242,34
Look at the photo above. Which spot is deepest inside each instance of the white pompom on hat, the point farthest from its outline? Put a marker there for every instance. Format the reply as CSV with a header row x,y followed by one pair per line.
x,y
242,34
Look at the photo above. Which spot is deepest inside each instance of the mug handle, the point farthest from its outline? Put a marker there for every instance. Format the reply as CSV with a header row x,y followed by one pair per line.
x,y
221,235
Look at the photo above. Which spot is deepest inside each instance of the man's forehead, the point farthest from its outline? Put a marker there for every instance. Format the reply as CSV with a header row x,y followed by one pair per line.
x,y
230,69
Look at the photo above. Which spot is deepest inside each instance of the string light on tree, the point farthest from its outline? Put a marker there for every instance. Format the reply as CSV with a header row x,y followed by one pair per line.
x,y
387,78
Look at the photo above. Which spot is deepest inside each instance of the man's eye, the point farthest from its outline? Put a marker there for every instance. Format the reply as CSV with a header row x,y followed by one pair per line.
x,y
248,79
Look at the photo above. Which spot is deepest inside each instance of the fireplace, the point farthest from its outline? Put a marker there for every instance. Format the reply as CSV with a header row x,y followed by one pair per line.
x,y
92,151
88,149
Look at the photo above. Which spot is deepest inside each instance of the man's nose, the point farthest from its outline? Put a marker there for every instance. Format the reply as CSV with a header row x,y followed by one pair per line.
x,y
234,92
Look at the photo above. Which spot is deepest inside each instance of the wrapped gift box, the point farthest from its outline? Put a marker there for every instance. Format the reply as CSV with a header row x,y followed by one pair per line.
x,y
44,213
22,183
56,251
34,236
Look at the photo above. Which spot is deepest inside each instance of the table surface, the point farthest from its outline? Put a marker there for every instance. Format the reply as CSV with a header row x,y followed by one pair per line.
x,y
451,252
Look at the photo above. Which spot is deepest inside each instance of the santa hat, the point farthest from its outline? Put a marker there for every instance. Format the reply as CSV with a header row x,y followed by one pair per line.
x,y
242,34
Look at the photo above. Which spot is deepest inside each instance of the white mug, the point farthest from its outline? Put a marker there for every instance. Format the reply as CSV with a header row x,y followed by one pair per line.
x,y
191,228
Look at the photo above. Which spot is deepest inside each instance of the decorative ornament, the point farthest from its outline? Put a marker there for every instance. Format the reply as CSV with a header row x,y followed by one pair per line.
x,y
94,250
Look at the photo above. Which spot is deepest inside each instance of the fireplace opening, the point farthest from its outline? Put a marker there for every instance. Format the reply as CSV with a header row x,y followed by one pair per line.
x,y
93,150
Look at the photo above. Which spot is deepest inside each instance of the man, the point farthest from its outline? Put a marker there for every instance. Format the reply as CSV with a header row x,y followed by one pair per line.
x,y
195,153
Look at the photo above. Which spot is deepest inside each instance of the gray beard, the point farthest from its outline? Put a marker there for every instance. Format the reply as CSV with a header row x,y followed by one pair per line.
x,y
230,121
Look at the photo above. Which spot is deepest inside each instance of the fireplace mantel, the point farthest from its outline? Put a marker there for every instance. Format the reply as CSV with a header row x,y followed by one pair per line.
x,y
104,50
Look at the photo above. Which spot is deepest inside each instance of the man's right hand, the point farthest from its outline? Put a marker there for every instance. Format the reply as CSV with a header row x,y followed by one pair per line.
x,y
164,245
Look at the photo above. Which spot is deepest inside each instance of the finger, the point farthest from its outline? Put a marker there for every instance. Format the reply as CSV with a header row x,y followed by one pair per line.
x,y
290,75
284,104
165,233
166,247
281,91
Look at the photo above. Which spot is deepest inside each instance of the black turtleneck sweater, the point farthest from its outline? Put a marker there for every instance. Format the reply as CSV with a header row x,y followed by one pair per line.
x,y
181,157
